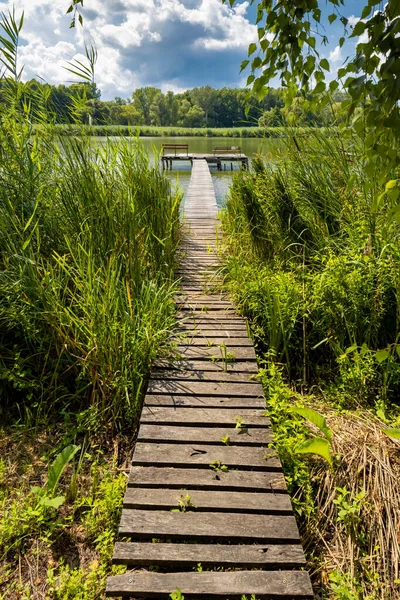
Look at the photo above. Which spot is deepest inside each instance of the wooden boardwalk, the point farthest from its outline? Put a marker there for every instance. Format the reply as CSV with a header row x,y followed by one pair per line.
x,y
206,510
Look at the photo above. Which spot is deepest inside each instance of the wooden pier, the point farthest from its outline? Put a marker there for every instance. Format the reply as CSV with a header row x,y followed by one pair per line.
x,y
206,510
221,157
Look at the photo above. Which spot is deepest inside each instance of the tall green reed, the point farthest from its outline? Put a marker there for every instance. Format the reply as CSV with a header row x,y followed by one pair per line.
x,y
89,233
313,261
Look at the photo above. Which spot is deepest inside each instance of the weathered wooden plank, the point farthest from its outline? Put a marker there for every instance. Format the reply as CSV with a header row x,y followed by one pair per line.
x,y
199,375
212,417
228,555
217,328
202,340
203,501
203,455
210,366
201,297
204,321
203,306
217,352
204,435
175,401
213,317
205,388
212,312
265,585
147,524
207,479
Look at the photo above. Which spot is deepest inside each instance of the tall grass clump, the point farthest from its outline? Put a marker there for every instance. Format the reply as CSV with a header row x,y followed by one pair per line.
x,y
312,256
316,247
87,250
87,255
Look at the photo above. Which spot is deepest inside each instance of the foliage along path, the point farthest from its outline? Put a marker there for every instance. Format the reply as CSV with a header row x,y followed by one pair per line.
x,y
204,487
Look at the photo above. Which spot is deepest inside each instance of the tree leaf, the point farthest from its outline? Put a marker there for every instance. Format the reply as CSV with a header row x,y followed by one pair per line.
x,y
316,445
252,49
59,465
314,417
324,64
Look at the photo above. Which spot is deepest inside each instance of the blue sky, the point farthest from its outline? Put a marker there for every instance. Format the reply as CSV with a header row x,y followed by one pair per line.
x,y
171,44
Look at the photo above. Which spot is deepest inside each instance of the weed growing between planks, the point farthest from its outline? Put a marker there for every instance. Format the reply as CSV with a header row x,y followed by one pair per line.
x,y
311,253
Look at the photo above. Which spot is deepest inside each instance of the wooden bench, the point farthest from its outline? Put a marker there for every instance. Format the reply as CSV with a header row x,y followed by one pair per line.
x,y
227,150
175,148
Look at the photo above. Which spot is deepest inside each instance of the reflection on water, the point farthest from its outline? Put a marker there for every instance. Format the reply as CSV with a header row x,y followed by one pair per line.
x,y
221,180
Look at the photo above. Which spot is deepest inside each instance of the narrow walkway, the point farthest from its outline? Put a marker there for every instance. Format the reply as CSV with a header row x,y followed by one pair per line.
x,y
204,486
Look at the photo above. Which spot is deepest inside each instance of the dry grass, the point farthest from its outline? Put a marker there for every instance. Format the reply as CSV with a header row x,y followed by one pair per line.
x,y
359,532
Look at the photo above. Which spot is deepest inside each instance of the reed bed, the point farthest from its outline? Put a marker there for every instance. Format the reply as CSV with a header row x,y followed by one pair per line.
x,y
312,258
88,243
156,131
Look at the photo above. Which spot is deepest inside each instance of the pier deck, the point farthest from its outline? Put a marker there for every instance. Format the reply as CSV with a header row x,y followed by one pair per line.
x,y
219,160
206,510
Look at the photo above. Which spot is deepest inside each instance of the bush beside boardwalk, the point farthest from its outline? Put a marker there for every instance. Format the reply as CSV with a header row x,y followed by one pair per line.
x,y
314,263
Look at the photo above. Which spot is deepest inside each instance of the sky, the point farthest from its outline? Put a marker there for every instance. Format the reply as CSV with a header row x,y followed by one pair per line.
x,y
170,44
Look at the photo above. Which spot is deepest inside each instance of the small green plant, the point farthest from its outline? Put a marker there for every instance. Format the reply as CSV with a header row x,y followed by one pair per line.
x,y
241,424
315,445
177,595
226,440
349,508
218,466
184,504
46,496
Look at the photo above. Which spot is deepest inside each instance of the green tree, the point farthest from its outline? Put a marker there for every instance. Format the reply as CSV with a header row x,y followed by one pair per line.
x,y
190,116
142,99
287,48
206,98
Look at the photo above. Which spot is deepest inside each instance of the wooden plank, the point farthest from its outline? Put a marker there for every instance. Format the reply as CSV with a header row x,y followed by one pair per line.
x,y
212,313
235,325
205,388
204,435
202,340
265,585
212,417
220,318
228,555
145,524
175,401
217,352
203,455
207,479
204,305
199,375
203,501
201,297
209,366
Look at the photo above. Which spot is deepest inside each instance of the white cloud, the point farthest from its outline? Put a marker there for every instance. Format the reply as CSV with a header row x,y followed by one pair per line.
x,y
335,55
174,44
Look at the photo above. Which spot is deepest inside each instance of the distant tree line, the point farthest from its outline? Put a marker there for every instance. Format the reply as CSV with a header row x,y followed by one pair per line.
x,y
199,107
